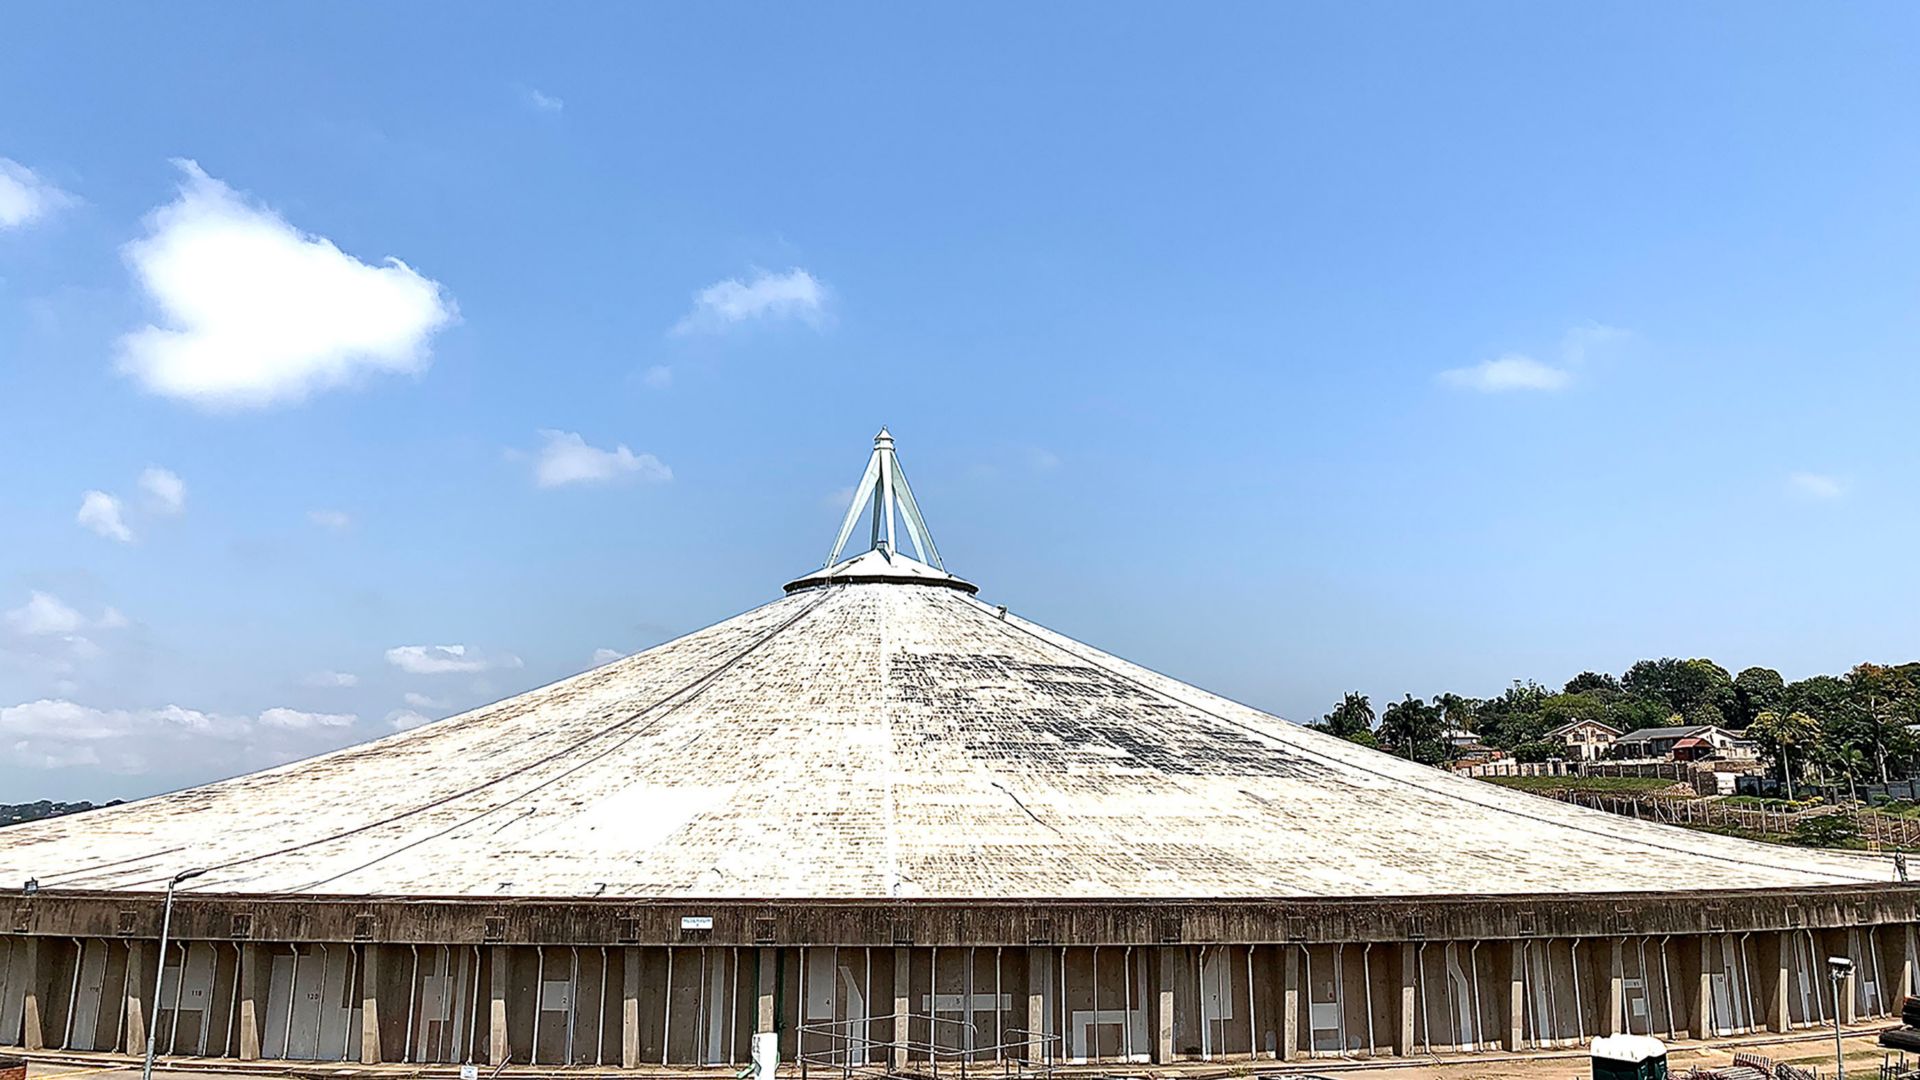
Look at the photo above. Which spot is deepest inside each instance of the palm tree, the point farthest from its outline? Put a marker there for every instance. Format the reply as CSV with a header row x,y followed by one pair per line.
x,y
1781,734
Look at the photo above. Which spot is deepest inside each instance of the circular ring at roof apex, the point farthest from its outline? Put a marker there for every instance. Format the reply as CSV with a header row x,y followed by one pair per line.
x,y
872,567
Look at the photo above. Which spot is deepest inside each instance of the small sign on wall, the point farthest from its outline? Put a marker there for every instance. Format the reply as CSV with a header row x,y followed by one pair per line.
x,y
696,922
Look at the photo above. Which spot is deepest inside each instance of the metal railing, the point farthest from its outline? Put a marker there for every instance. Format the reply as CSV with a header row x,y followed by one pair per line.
x,y
850,1049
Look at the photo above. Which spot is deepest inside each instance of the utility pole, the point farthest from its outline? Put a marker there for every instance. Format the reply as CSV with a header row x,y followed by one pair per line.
x,y
160,968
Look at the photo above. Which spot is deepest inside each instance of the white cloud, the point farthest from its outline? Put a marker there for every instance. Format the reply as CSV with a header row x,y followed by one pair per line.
x,y
166,493
418,700
45,615
606,656
1817,485
446,659
407,719
542,102
112,619
255,312
58,733
795,294
332,679
1518,371
295,720
567,459
659,377
26,196
1510,372
331,520
100,512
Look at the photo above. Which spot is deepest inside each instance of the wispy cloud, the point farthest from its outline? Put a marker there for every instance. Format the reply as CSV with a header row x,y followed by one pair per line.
x,y
331,520
764,296
166,492
659,377
332,679
255,312
417,700
1510,372
606,656
540,101
567,459
447,659
407,719
1816,485
26,196
100,512
1520,371
54,733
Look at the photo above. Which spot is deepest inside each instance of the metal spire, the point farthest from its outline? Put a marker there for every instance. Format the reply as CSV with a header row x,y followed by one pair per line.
x,y
883,488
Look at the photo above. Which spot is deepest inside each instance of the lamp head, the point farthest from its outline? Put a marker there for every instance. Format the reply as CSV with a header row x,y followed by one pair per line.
x,y
1839,967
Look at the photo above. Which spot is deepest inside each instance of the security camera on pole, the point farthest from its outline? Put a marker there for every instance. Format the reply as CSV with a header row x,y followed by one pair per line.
x,y
1838,969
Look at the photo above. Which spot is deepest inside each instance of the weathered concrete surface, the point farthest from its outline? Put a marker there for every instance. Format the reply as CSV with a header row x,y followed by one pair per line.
x,y
880,741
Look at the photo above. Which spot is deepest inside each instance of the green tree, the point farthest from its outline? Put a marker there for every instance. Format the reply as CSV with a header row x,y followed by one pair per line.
x,y
1415,730
1783,738
1880,706
1352,717
1596,683
1757,690
1458,713
1690,688
1514,717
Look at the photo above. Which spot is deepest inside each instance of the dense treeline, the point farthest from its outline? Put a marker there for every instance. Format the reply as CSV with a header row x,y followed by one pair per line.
x,y
1833,729
15,813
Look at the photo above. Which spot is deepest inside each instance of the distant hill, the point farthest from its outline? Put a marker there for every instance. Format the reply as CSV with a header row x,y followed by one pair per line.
x,y
15,813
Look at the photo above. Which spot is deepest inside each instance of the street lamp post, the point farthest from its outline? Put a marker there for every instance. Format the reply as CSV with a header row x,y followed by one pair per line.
x,y
160,968
1838,968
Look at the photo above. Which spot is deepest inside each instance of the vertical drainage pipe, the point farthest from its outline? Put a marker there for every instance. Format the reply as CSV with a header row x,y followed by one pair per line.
x,y
1126,1024
473,1011
1366,978
1666,985
600,1020
1095,1026
666,1024
346,1037
1426,1004
1253,1035
73,995
540,999
413,994
1746,985
1340,991
233,1006
1579,1009
179,992
293,995
1473,972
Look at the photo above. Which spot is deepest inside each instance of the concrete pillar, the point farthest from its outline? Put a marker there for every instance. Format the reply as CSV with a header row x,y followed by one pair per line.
x,y
1036,1003
1266,1000
1406,1000
1616,989
250,983
498,1047
1775,964
1907,963
138,980
630,1007
1514,1038
1165,965
1290,1003
902,1004
33,1035
370,1004
766,986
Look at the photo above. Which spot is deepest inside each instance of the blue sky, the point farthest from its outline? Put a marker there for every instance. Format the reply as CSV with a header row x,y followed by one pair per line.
x,y
1288,349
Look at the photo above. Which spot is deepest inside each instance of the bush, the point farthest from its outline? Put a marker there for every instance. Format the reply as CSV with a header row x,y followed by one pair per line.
x,y
1826,830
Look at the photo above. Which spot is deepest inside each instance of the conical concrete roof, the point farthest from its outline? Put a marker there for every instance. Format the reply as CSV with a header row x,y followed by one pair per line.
x,y
874,739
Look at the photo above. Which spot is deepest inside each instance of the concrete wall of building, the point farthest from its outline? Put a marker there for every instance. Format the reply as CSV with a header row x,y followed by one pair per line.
x,y
629,1005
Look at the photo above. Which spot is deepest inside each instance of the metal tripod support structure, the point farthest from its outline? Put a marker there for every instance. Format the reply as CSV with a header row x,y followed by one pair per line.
x,y
884,486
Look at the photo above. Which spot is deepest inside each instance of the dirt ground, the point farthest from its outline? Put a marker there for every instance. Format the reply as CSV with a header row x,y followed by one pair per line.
x,y
1810,1049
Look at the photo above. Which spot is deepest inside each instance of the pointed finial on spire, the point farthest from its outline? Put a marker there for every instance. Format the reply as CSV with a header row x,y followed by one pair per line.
x,y
884,487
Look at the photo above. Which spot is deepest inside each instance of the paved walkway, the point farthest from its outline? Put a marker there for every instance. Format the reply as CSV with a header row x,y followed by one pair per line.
x,y
1809,1048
